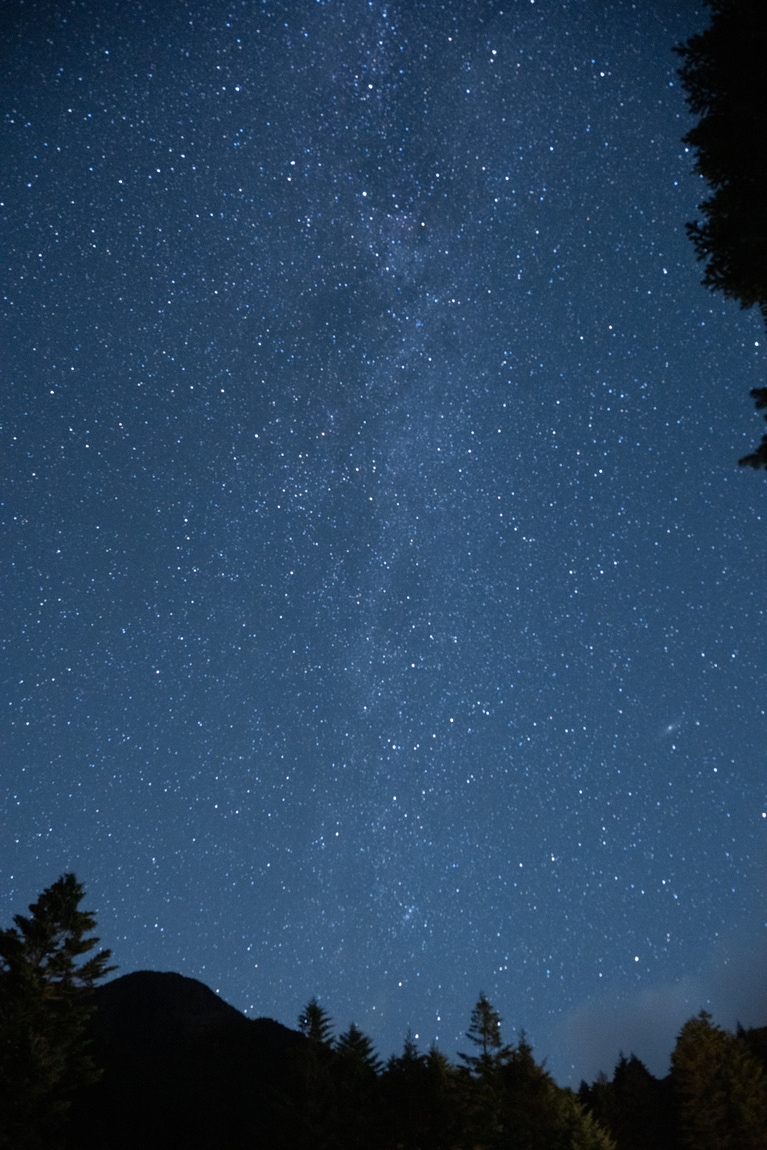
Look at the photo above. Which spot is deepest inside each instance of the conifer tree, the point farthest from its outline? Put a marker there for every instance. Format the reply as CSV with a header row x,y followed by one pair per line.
x,y
485,1032
314,1022
311,1117
45,1004
404,1095
534,1113
642,1107
444,1099
356,1070
480,1094
721,1089
421,1101
725,79
357,1051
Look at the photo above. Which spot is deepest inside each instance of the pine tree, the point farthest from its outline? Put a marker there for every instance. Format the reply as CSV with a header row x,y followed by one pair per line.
x,y
311,1117
485,1032
357,1068
480,1093
357,1052
721,1089
581,1129
642,1111
403,1095
45,1004
443,1099
537,1114
420,1101
314,1022
725,79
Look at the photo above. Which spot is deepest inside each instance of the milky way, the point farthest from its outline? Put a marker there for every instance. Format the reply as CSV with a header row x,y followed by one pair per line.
x,y
383,610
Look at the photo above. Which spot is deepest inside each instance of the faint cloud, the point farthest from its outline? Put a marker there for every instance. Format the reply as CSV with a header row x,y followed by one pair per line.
x,y
731,986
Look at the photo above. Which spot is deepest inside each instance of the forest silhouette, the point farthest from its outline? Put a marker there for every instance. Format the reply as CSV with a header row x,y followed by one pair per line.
x,y
159,1060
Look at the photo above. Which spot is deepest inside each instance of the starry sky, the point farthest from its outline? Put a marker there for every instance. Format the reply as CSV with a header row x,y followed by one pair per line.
x,y
382,603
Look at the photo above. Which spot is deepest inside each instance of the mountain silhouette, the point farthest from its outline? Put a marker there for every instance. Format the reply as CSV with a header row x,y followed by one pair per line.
x,y
181,1068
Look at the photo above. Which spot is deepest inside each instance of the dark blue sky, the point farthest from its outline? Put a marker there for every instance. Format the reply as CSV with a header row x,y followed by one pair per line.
x,y
383,605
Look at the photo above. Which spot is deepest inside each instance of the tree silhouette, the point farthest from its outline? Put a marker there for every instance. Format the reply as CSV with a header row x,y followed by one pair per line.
x,y
725,79
726,84
314,1022
636,1108
45,1005
721,1089
480,1095
412,1111
357,1052
357,1067
758,458
485,1032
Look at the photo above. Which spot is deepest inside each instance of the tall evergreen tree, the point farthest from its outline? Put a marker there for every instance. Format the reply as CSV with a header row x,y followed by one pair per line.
x,y
356,1070
314,1022
480,1093
721,1089
423,1099
443,1102
357,1051
725,78
537,1114
636,1108
45,1004
403,1096
485,1032
311,1119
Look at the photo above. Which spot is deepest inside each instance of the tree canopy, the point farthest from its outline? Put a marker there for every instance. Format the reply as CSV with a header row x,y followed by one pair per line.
x,y
45,1004
721,1089
725,79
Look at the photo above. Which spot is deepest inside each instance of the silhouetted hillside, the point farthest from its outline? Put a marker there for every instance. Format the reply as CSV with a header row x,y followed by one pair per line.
x,y
181,1068
184,1069
148,1007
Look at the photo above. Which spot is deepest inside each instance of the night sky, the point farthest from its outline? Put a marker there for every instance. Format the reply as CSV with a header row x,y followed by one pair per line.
x,y
383,607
